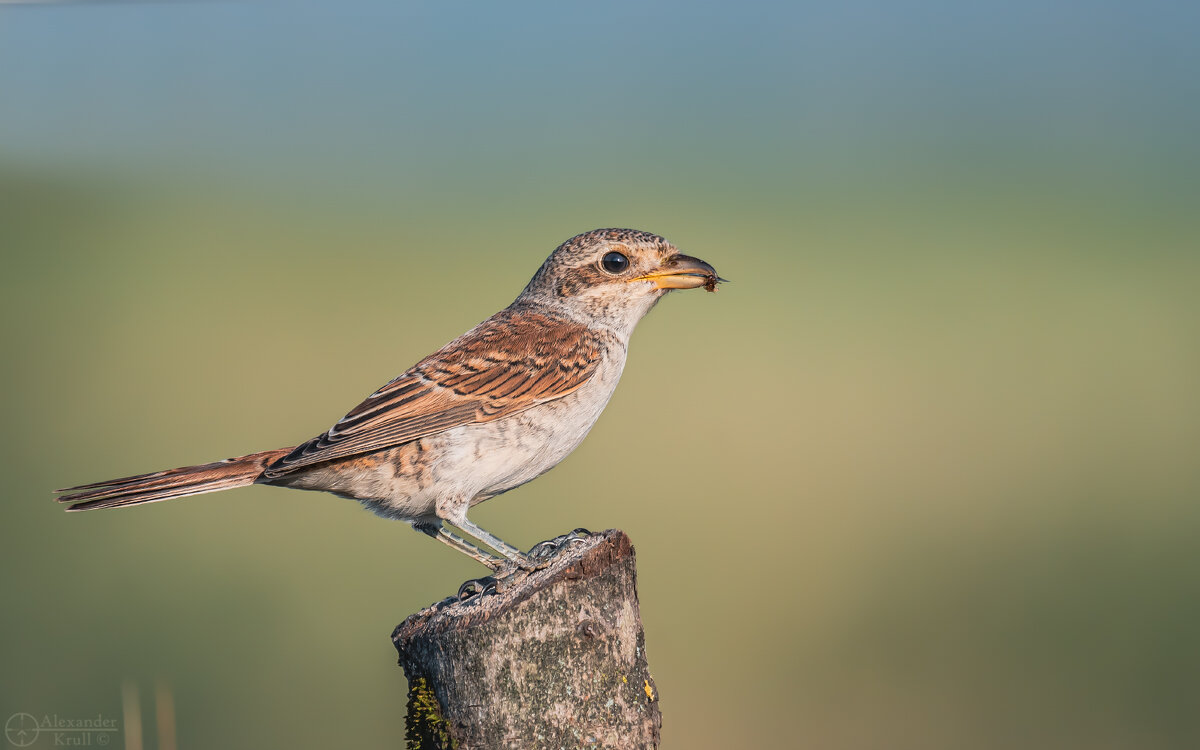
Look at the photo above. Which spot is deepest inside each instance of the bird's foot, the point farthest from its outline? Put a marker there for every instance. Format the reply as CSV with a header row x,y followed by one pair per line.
x,y
522,563
544,552
477,587
538,558
503,576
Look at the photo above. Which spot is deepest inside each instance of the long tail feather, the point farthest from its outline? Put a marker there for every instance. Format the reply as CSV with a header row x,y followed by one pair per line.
x,y
172,483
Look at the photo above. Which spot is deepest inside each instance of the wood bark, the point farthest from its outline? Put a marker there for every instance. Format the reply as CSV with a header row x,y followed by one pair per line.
x,y
552,659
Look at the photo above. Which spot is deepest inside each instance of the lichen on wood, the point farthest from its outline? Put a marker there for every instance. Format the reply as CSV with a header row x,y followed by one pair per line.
x,y
424,726
554,658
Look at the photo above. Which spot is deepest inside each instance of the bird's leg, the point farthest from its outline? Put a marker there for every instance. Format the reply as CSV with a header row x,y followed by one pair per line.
x,y
510,553
453,510
437,531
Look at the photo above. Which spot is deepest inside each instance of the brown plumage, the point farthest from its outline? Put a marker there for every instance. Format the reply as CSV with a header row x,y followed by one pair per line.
x,y
172,483
470,380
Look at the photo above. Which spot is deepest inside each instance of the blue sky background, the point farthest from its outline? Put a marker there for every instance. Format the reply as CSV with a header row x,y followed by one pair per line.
x,y
372,88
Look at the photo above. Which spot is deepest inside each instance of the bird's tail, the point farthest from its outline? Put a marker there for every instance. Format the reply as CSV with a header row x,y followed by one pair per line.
x,y
172,483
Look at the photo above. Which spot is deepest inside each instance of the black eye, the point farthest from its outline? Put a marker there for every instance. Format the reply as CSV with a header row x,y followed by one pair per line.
x,y
614,262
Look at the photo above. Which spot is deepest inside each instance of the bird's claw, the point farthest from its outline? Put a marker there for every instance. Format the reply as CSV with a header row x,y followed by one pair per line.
x,y
543,551
477,587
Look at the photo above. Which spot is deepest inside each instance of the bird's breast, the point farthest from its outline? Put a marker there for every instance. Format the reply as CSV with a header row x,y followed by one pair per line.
x,y
494,457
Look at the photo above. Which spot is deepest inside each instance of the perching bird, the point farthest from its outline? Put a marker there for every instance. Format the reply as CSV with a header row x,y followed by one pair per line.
x,y
498,406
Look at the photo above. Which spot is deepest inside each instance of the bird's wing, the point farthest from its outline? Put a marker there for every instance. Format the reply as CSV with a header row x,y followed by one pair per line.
x,y
509,363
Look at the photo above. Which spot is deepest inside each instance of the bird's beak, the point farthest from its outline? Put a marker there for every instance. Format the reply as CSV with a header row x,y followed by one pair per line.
x,y
683,272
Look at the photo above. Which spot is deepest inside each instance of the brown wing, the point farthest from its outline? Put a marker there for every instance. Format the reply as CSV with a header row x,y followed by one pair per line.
x,y
510,362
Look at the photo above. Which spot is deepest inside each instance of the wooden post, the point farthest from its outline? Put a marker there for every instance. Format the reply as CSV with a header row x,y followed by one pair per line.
x,y
552,659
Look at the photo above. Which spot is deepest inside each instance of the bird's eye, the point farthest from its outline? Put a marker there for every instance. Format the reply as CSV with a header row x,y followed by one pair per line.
x,y
614,262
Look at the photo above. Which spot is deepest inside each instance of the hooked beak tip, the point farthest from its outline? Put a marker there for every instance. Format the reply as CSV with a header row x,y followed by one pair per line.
x,y
683,272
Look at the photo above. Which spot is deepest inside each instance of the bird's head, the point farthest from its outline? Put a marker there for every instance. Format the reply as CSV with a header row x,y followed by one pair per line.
x,y
615,276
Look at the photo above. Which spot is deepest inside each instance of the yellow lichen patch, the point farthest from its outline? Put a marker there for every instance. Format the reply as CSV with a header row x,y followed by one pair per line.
x,y
649,691
425,729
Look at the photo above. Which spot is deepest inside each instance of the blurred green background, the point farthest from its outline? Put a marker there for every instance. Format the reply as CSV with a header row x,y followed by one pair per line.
x,y
925,475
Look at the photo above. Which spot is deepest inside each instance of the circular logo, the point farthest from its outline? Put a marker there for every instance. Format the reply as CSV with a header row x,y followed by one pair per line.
x,y
21,729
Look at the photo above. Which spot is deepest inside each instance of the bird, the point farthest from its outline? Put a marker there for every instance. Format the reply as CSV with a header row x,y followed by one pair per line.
x,y
493,409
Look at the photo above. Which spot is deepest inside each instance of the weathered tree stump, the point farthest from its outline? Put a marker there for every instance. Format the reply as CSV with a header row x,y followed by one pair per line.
x,y
552,659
